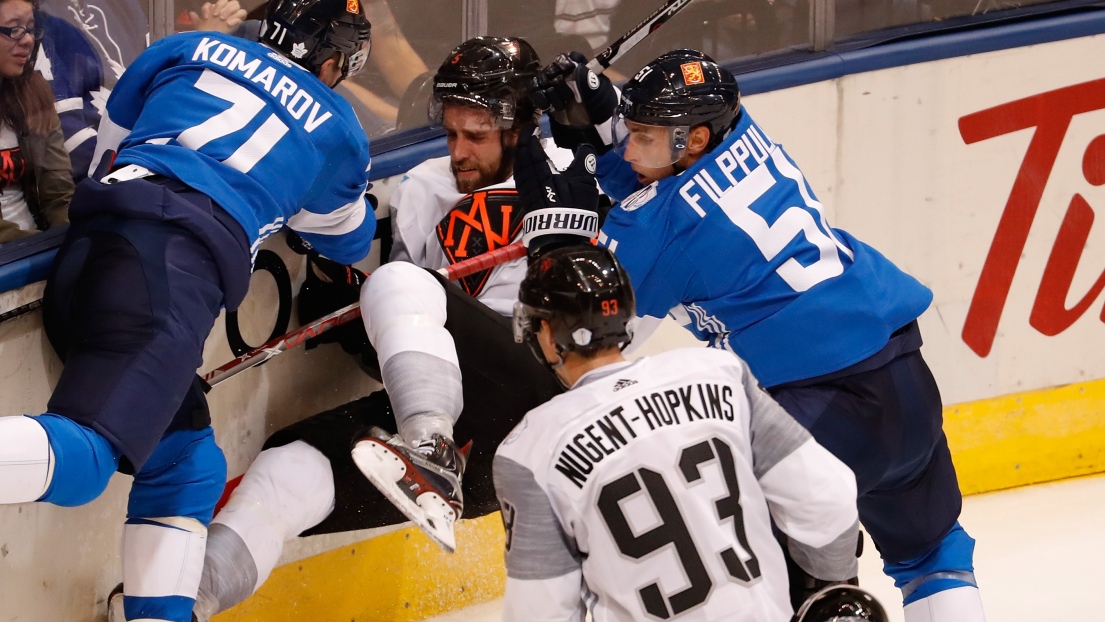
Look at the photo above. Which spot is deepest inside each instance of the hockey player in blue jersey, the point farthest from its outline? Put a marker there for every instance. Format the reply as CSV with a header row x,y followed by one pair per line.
x,y
718,228
218,142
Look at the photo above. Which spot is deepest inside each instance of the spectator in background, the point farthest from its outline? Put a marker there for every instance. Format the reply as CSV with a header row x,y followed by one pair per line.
x,y
70,65
35,180
396,85
375,113
116,29
81,63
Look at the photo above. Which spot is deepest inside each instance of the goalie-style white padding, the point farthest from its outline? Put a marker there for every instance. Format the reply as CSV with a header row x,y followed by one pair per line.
x,y
403,307
286,491
26,460
961,604
163,557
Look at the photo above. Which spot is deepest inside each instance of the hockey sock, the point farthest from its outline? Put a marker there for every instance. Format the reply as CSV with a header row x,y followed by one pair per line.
x,y
83,460
171,503
162,563
960,604
229,572
940,585
286,491
423,407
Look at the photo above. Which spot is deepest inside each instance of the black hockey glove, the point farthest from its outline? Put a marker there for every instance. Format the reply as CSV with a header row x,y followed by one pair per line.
x,y
561,207
338,286
579,101
298,245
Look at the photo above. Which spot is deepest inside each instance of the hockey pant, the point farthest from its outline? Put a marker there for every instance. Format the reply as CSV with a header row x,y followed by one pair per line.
x,y
128,306
883,418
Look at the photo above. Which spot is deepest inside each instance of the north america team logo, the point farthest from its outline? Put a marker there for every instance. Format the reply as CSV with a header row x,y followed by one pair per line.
x,y
478,223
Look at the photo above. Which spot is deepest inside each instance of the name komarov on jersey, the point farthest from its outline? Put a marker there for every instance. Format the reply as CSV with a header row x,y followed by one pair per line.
x,y
297,101
607,434
735,165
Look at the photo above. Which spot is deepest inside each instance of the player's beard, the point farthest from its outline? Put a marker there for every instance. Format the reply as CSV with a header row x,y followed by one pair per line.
x,y
488,175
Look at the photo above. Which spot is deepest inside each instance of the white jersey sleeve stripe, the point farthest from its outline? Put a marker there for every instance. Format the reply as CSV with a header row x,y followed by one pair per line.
x,y
78,138
340,221
108,138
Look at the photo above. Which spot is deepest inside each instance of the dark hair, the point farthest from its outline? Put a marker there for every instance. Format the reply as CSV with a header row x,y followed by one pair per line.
x,y
27,102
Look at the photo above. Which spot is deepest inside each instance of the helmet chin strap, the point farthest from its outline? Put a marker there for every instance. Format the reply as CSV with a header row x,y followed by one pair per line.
x,y
553,367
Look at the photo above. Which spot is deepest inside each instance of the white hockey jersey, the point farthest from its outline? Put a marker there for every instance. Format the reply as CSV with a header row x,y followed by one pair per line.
x,y
424,198
647,492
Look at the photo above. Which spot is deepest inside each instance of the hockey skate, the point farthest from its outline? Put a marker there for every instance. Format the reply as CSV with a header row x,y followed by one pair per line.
x,y
423,480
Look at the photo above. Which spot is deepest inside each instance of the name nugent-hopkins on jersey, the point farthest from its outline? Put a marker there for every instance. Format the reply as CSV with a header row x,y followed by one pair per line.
x,y
586,449
681,464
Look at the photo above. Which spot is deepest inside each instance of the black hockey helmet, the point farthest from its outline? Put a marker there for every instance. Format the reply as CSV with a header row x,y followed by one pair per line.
x,y
841,603
680,90
309,32
584,294
491,73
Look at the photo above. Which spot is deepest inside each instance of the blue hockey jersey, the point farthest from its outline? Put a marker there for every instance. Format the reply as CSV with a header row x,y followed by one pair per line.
x,y
261,136
738,249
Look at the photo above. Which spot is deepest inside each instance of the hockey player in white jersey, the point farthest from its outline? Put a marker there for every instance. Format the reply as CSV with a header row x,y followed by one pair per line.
x,y
405,308
305,481
648,490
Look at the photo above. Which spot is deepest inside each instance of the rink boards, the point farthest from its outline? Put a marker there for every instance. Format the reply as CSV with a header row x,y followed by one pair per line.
x,y
980,174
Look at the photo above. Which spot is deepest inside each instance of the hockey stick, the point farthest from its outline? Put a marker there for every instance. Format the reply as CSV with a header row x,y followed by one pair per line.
x,y
629,40
350,313
20,310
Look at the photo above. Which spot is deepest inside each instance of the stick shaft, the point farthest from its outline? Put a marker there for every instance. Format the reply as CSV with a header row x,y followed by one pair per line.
x,y
350,313
629,40
483,261
259,355
20,310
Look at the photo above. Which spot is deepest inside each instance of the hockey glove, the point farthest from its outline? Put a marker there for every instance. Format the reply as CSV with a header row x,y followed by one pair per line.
x,y
298,245
327,287
579,101
561,207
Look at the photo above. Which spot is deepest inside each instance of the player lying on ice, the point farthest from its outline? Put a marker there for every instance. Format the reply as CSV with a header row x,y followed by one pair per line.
x,y
717,227
442,348
649,489
161,239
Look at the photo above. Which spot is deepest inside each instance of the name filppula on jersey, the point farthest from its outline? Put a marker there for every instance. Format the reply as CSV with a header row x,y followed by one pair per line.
x,y
752,145
607,434
297,101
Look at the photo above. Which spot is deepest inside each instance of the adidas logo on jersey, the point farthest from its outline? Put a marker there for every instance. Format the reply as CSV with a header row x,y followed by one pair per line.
x,y
623,383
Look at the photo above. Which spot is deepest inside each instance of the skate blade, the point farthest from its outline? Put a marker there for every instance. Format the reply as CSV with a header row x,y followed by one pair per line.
x,y
429,512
